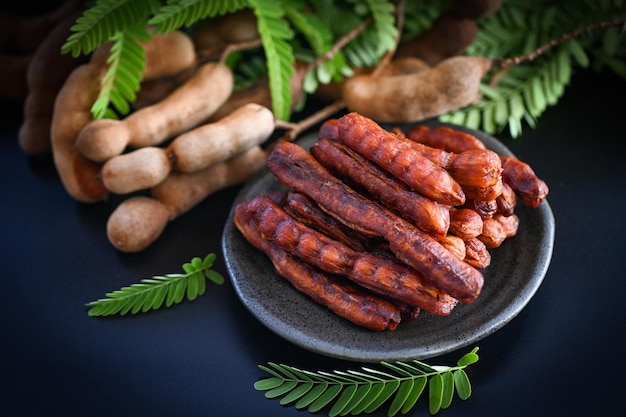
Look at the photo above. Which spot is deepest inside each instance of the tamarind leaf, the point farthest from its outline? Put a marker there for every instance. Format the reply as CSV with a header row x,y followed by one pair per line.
x,y
275,35
384,24
100,22
156,292
178,14
366,390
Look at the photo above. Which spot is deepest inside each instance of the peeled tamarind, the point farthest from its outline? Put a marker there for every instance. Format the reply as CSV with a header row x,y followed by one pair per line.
x,y
450,85
185,108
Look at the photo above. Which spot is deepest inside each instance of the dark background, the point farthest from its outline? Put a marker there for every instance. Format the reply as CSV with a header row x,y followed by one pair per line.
x,y
562,355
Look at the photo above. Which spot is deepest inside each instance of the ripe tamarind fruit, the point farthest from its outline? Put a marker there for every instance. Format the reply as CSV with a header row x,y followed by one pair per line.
x,y
186,107
450,85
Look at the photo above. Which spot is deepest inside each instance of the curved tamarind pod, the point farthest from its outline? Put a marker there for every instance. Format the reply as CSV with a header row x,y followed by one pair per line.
x,y
383,276
476,253
181,191
465,223
217,33
43,86
72,112
185,108
450,85
449,35
296,168
341,296
428,215
523,180
444,137
397,157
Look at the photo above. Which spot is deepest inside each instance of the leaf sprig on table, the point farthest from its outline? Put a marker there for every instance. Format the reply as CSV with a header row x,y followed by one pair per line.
x,y
159,291
364,391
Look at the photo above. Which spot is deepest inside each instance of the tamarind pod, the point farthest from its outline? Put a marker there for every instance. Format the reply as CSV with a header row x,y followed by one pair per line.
x,y
490,192
449,35
450,85
428,215
217,33
71,113
181,191
474,9
507,200
137,170
523,180
185,108
510,224
339,295
397,157
43,86
296,168
249,125
465,223
329,129
454,244
493,233
383,276
135,223
485,208
23,34
305,210
444,137
13,70
476,253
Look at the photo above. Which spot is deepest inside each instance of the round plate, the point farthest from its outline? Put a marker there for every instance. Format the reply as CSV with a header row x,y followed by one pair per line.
x,y
517,269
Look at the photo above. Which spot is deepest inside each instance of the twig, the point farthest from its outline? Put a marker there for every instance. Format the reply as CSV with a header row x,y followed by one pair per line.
x,y
509,62
295,129
343,41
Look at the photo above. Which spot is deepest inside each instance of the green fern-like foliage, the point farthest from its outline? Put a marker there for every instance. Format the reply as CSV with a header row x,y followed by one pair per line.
x,y
159,291
177,14
122,80
353,392
275,35
525,91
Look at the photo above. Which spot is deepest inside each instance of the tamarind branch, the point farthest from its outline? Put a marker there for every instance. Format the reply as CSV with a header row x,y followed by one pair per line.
x,y
295,129
509,62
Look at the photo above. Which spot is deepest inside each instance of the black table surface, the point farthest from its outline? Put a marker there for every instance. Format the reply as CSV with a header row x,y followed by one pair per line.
x,y
562,355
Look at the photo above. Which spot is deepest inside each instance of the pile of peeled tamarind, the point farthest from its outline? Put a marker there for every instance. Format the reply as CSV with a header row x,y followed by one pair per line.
x,y
189,132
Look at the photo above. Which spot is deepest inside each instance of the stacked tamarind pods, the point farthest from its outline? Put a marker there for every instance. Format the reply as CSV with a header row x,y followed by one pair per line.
x,y
380,225
184,139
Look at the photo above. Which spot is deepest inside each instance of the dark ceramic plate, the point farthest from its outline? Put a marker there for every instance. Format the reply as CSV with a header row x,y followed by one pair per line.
x,y
516,272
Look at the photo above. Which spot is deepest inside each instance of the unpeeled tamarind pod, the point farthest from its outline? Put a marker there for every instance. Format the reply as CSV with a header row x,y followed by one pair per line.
x,y
140,220
196,149
449,35
182,191
72,111
137,170
185,108
43,86
450,85
192,151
